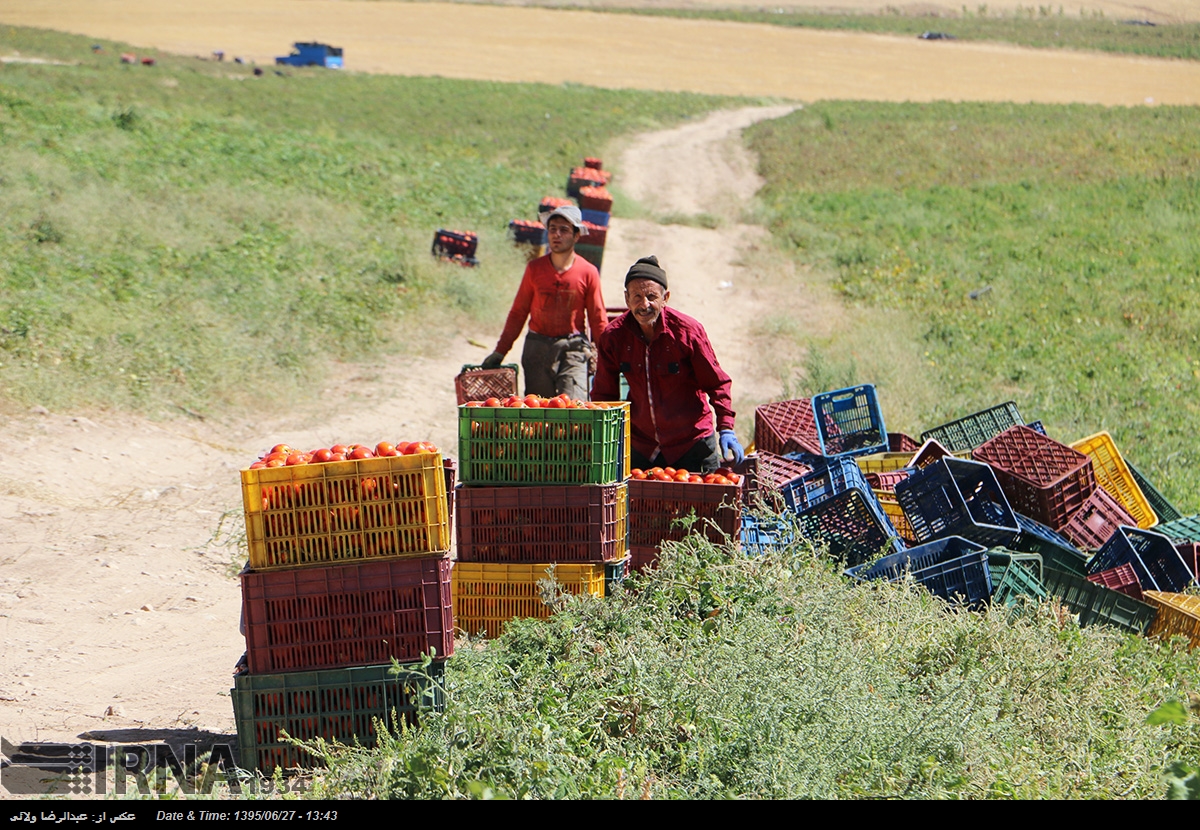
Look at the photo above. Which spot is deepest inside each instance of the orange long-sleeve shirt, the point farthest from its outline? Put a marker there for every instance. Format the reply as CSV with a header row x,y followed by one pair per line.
x,y
556,305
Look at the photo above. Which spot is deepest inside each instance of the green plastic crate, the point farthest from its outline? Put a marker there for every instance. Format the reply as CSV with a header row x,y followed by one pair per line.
x,y
1163,508
499,445
1015,575
975,429
1097,605
1183,529
339,705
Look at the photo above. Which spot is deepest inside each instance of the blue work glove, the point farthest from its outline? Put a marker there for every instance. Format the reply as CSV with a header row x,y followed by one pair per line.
x,y
730,448
493,360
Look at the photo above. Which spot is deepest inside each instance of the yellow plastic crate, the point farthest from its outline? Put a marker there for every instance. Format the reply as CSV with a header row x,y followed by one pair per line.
x,y
487,595
1112,473
1177,614
883,462
892,509
346,511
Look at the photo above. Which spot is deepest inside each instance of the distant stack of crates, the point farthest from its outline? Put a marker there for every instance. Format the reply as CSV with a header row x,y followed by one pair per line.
x,y
455,246
588,185
542,489
349,569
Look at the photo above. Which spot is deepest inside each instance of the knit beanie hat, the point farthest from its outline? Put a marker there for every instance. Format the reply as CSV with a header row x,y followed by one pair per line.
x,y
647,268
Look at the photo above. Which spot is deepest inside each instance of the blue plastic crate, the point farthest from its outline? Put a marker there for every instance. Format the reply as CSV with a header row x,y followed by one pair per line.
x,y
1038,427
1158,564
763,535
829,477
851,525
955,497
896,565
849,422
596,217
1056,550
956,578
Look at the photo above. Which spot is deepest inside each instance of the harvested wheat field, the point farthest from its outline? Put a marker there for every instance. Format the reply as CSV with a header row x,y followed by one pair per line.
x,y
507,43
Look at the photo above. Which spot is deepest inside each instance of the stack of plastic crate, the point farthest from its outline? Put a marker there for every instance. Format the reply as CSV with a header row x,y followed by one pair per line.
x,y
588,186
455,246
543,495
349,570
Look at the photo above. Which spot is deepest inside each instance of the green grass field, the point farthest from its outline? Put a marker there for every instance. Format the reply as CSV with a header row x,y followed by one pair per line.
x,y
190,234
1043,27
1038,253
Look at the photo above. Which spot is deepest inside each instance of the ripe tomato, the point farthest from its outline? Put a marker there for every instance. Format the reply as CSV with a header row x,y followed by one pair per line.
x,y
295,459
281,448
337,456
473,404
385,450
360,452
321,456
681,476
638,474
258,465
695,479
339,449
493,402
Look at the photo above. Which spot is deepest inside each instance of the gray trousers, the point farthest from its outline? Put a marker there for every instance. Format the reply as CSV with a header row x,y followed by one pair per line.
x,y
556,366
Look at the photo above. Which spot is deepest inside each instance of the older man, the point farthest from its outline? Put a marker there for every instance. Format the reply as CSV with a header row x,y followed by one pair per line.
x,y
560,296
673,378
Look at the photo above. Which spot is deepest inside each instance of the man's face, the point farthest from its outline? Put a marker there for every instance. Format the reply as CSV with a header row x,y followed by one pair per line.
x,y
646,299
561,234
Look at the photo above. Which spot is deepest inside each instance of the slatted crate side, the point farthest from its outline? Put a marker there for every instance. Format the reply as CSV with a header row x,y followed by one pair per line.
x,y
1178,615
969,432
488,595
1114,476
775,424
1096,521
1041,477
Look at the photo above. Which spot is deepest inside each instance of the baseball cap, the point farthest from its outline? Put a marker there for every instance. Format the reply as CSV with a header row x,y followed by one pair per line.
x,y
570,213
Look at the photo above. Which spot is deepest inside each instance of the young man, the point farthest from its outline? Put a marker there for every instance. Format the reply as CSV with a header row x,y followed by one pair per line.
x,y
673,376
560,295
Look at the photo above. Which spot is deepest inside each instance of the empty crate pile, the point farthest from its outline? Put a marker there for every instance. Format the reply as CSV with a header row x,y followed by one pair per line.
x,y
349,570
984,509
543,489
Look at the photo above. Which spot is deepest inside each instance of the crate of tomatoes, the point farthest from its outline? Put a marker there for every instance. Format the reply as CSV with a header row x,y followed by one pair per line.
x,y
666,504
345,503
535,440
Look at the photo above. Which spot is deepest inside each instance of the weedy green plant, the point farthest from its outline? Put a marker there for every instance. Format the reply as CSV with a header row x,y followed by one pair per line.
x,y
1046,254
193,236
718,675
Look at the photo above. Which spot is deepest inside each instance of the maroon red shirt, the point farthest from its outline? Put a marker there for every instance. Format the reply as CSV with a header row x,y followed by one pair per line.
x,y
672,381
556,304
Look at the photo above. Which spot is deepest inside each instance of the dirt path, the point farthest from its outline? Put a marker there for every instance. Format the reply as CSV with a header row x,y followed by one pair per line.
x,y
701,169
117,609
507,43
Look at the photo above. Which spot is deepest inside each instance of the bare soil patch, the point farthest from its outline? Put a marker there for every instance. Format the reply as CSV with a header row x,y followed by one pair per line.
x,y
624,51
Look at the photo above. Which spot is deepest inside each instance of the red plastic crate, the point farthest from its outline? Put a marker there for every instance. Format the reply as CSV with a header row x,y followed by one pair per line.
x,y
899,442
596,234
549,203
347,615
593,163
578,524
887,481
786,427
1122,578
642,558
475,383
596,198
654,506
766,473
450,243
1042,478
1093,523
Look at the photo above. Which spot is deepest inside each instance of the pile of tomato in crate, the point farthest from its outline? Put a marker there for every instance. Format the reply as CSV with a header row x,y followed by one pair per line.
x,y
543,490
983,509
349,569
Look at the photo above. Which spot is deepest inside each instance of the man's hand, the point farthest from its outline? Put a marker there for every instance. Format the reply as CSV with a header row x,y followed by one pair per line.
x,y
731,450
493,360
